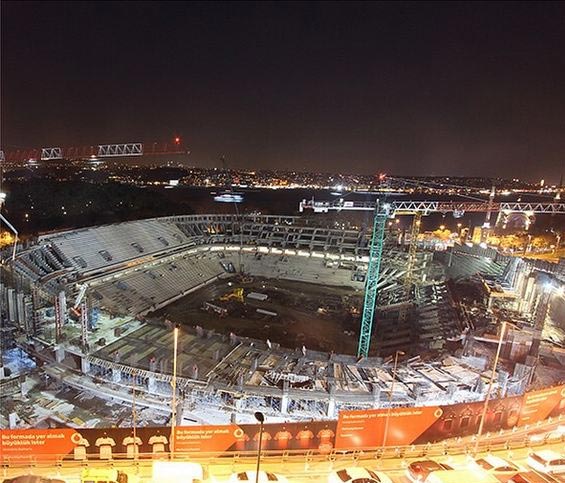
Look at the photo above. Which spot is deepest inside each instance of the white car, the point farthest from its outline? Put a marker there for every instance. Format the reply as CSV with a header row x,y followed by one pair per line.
x,y
264,477
547,461
358,475
495,464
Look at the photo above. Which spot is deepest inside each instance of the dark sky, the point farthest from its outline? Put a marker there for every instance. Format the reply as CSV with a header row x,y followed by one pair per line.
x,y
409,88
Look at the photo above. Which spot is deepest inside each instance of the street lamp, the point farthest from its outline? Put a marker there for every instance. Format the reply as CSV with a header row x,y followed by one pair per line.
x,y
396,354
259,416
491,382
174,387
134,419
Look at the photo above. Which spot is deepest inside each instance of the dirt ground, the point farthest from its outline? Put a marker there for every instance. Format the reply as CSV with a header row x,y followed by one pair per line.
x,y
315,316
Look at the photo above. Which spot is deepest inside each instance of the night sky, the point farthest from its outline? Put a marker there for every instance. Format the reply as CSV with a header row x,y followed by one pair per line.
x,y
406,88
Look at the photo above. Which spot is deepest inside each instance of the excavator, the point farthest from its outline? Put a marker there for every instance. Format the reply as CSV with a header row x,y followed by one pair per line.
x,y
235,294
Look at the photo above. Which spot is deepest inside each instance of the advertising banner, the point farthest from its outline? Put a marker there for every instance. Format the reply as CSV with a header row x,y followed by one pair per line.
x,y
155,442
205,439
354,429
41,443
539,405
421,425
364,429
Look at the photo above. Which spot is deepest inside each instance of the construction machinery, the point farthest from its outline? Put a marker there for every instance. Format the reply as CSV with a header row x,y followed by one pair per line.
x,y
383,209
236,294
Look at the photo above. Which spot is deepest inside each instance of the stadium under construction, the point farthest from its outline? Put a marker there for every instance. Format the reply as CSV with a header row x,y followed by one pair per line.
x,y
264,313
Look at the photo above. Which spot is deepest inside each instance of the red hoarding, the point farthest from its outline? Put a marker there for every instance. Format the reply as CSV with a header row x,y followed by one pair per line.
x,y
354,429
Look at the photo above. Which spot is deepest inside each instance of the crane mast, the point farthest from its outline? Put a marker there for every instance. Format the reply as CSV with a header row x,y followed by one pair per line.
x,y
372,278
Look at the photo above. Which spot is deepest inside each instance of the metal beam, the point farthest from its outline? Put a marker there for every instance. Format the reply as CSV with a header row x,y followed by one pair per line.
x,y
114,150
427,207
372,278
48,154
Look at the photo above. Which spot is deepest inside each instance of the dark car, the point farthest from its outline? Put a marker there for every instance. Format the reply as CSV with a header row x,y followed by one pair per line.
x,y
533,477
419,470
32,479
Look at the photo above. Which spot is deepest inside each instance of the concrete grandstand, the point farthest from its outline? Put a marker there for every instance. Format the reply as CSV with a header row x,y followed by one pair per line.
x,y
113,277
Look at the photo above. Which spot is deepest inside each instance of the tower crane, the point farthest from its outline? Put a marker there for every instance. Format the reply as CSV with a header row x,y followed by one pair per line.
x,y
382,210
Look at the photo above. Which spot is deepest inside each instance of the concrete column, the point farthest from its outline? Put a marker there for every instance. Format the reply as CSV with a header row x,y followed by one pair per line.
x,y
12,311
331,402
285,398
12,420
376,396
331,407
151,385
59,353
116,375
84,365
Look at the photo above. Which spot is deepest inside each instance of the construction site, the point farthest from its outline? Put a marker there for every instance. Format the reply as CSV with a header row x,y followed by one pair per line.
x,y
284,314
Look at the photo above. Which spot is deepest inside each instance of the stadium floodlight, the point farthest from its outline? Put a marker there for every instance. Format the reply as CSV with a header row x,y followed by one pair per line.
x,y
174,388
387,420
491,382
259,416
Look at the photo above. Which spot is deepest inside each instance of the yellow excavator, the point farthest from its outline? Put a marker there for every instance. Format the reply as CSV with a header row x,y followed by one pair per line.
x,y
235,294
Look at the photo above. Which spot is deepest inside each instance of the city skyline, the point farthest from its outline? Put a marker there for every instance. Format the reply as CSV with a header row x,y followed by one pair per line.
x,y
433,89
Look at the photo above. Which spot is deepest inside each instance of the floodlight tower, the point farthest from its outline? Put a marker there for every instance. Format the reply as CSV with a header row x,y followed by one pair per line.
x,y
381,214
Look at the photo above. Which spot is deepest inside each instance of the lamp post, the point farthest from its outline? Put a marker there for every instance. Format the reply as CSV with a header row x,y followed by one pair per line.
x,y
134,419
174,388
259,416
396,354
491,382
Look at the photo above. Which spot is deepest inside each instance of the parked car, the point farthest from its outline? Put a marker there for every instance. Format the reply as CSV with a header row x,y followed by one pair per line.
x,y
358,475
495,465
32,479
418,471
547,461
264,477
532,477
461,476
